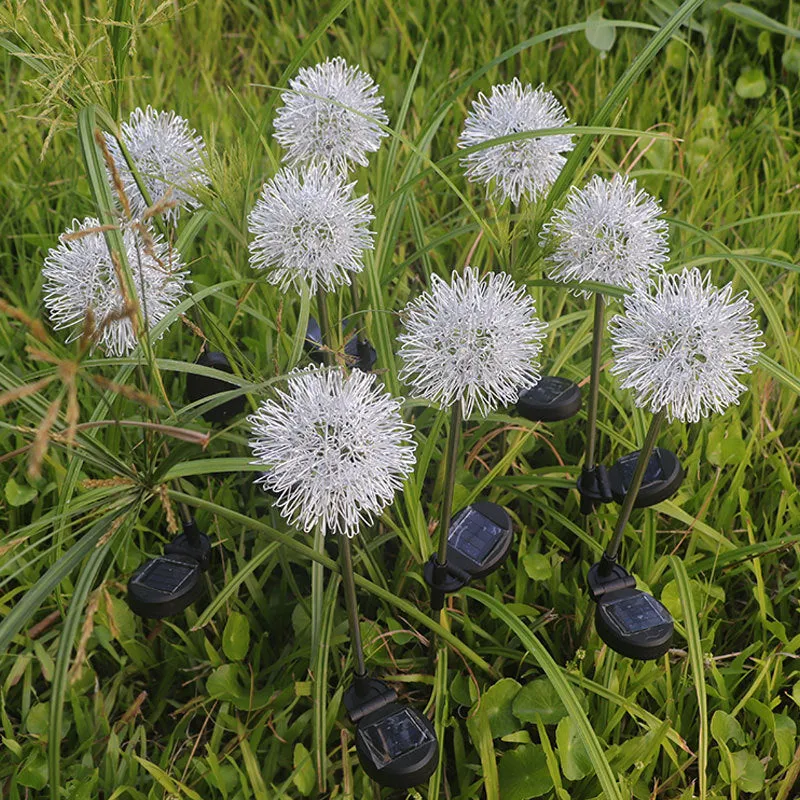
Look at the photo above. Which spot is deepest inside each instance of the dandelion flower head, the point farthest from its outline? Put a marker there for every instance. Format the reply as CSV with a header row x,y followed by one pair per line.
x,y
682,343
609,232
332,114
308,226
335,449
168,155
80,277
523,168
474,340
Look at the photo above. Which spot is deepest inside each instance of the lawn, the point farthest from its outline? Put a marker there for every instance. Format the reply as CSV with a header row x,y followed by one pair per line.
x,y
241,695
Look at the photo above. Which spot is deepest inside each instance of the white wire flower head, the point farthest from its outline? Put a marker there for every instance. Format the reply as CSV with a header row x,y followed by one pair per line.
x,y
168,155
475,340
80,276
332,114
681,344
610,232
309,227
335,449
527,167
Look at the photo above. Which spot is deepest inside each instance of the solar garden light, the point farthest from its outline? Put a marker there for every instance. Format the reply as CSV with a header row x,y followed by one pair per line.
x,y
608,232
396,744
83,281
513,170
167,585
629,620
309,229
332,117
80,277
468,344
336,450
680,345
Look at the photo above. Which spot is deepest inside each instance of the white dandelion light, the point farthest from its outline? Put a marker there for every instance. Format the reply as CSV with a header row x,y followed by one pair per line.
x,y
609,232
527,167
308,226
332,114
168,155
335,448
79,276
681,344
475,340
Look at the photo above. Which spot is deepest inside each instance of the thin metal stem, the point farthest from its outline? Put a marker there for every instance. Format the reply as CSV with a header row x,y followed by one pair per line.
x,y
317,579
453,440
594,386
183,509
355,301
189,528
324,325
513,243
349,588
361,338
186,517
612,551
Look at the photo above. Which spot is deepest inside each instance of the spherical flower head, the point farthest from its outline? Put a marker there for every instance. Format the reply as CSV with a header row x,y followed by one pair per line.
x,y
608,232
308,227
527,167
335,449
475,340
332,114
681,344
168,155
80,276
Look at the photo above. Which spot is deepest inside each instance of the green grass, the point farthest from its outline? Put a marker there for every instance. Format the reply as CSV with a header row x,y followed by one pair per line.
x,y
232,701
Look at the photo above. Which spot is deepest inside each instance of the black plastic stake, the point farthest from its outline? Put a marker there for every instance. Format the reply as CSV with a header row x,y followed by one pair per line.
x,y
396,745
628,620
642,462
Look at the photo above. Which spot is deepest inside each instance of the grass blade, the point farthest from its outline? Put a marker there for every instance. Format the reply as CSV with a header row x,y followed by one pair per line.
x,y
695,646
34,597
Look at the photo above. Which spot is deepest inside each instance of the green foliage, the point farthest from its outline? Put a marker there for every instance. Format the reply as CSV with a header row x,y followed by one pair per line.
x,y
242,697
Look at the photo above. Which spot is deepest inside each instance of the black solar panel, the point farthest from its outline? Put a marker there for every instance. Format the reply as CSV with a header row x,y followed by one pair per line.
x,y
549,389
165,575
394,736
654,471
474,535
636,613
